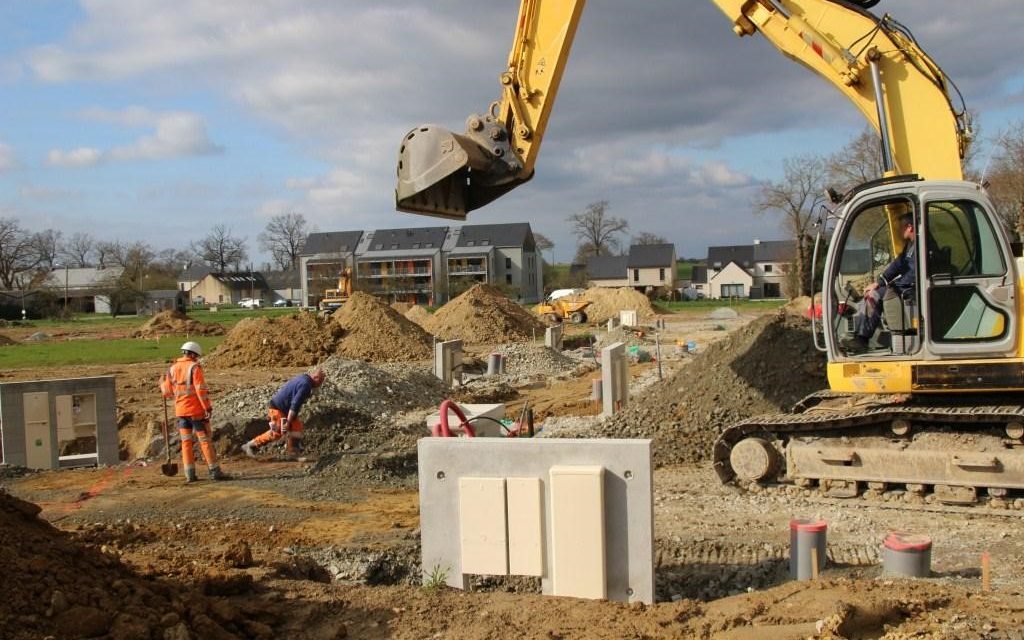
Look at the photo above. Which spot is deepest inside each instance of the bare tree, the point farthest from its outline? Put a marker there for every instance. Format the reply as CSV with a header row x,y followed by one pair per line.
x,y
597,232
1005,177
18,255
47,245
221,249
858,162
135,258
78,249
284,237
795,197
647,237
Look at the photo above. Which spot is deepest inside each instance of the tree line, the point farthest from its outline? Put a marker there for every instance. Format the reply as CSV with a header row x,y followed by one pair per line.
x,y
27,257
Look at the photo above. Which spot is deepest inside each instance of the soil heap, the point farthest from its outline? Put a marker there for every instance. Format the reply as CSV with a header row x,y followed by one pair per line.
x,y
607,302
4,340
59,587
377,333
419,315
298,341
764,367
176,323
401,307
484,315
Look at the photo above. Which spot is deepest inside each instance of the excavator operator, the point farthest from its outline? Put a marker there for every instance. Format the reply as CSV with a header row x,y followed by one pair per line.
x,y
186,383
898,281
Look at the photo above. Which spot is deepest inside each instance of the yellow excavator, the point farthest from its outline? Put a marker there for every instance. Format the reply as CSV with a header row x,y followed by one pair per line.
x,y
929,403
334,298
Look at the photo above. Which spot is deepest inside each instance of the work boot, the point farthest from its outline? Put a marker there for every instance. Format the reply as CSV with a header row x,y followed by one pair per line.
x,y
190,477
248,450
217,474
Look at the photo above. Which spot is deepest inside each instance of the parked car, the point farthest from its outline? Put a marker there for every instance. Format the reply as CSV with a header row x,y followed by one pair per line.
x,y
250,303
282,303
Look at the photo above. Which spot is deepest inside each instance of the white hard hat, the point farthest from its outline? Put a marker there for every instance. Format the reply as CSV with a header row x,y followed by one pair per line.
x,y
193,347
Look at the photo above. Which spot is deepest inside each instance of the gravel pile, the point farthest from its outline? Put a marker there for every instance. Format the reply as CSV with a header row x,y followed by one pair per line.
x,y
530,360
764,367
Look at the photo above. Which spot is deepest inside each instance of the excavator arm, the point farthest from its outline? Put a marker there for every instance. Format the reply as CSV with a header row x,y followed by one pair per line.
x,y
874,62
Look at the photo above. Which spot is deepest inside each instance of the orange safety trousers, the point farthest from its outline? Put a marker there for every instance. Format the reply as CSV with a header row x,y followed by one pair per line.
x,y
273,435
191,429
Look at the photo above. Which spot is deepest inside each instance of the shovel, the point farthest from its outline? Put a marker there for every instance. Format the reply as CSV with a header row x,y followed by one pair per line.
x,y
168,468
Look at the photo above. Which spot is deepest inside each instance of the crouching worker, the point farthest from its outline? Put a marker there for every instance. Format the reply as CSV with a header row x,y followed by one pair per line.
x,y
284,414
186,383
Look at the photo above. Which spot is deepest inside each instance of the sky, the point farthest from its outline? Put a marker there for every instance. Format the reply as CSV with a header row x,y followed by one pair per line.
x,y
155,120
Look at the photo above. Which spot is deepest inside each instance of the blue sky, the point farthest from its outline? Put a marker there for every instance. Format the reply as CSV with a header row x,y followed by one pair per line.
x,y
150,120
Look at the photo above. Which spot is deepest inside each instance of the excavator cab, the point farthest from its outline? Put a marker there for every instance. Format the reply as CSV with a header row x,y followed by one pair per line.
x,y
963,302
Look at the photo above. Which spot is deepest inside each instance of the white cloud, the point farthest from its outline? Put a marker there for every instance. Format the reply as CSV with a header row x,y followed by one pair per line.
x,y
80,157
8,159
177,134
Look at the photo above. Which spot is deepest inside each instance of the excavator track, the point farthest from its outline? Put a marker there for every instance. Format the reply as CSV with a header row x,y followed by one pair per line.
x,y
900,448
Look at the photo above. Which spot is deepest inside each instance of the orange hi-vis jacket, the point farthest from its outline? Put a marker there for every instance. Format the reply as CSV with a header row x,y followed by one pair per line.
x,y
186,384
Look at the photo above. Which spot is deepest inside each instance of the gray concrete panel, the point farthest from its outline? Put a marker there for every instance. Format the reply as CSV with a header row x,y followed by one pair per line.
x,y
629,515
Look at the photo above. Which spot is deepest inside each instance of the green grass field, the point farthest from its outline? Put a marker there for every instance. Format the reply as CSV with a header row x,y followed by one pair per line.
x,y
94,350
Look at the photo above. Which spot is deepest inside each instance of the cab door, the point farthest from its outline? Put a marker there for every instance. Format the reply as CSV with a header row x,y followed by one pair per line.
x,y
969,283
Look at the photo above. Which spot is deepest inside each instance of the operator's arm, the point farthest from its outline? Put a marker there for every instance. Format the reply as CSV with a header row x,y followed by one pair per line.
x,y
202,391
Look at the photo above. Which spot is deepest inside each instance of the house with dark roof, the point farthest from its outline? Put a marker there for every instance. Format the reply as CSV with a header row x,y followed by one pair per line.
x,y
646,266
424,265
758,270
284,285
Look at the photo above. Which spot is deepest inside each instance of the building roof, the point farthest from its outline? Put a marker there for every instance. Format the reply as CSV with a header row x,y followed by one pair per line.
x,y
514,234
607,267
651,255
241,280
389,254
331,242
741,254
403,239
194,273
81,278
774,251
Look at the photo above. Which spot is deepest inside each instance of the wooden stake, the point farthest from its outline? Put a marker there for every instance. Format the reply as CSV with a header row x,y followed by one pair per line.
x,y
986,572
814,563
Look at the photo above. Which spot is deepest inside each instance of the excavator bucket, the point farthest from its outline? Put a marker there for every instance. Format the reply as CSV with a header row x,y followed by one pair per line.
x,y
447,175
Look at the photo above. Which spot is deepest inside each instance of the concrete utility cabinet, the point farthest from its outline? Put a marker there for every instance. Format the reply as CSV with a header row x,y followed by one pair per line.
x,y
41,418
448,361
614,379
576,513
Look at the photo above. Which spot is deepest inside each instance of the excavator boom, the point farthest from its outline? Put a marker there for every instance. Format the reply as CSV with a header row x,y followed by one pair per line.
x,y
873,61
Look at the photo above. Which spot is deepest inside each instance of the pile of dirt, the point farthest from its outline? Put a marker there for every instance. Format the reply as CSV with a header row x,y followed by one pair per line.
x,y
484,315
4,340
176,323
765,367
418,314
607,302
62,588
377,333
299,340
401,307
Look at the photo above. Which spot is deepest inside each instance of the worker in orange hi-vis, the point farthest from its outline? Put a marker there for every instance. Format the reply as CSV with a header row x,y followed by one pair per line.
x,y
186,384
284,413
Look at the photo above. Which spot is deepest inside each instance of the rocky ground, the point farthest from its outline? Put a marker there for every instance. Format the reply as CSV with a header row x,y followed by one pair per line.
x,y
328,548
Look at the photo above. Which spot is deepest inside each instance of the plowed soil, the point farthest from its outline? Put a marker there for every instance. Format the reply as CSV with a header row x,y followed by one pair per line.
x,y
484,315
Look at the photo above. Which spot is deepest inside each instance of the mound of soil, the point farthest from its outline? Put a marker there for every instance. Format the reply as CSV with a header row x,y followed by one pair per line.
x,y
377,333
401,307
4,340
299,340
418,314
607,302
176,323
484,315
62,588
764,367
